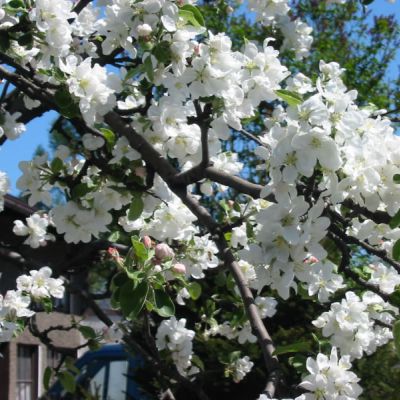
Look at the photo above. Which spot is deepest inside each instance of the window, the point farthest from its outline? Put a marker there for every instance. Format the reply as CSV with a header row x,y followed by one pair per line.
x,y
117,380
109,382
27,372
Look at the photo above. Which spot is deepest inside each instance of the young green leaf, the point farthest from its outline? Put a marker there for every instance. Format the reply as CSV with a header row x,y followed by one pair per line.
x,y
298,347
292,98
396,336
148,68
87,332
48,373
140,250
189,18
164,305
133,298
67,381
196,13
136,207
395,221
396,251
194,290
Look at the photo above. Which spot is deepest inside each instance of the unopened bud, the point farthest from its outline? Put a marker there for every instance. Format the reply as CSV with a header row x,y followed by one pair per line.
x,y
140,171
162,251
144,30
311,260
179,268
113,252
147,242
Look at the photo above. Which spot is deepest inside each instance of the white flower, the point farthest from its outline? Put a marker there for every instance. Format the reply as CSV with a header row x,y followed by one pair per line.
x,y
9,125
241,368
172,335
122,150
92,142
39,284
144,30
266,306
385,277
35,229
330,378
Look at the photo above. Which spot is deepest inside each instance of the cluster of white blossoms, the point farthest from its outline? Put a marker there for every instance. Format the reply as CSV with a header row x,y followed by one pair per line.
x,y
36,230
174,337
351,324
329,379
4,187
92,85
386,278
51,19
15,305
243,333
319,150
40,284
296,33
241,367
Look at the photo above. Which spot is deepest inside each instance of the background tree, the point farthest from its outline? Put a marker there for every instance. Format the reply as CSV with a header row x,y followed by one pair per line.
x,y
125,137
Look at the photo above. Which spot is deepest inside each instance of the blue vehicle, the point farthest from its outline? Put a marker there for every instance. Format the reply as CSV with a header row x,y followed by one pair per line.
x,y
105,374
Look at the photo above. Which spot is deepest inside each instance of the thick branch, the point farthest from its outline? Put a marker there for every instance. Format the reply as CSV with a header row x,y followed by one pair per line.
x,y
81,5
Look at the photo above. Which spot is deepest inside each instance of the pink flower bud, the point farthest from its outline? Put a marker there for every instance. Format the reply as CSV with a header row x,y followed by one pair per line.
x,y
311,260
162,251
179,268
140,171
147,242
113,252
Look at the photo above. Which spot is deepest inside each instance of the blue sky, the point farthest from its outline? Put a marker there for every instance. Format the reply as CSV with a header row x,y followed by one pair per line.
x,y
12,152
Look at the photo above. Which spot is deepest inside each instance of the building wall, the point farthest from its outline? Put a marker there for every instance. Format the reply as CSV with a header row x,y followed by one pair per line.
x,y
9,364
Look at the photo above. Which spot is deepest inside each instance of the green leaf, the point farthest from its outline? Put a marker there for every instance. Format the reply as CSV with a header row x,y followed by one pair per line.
x,y
197,362
366,2
80,190
56,165
396,178
162,52
114,237
396,251
63,98
196,13
132,299
48,372
293,348
164,305
292,98
87,332
194,290
16,4
395,221
140,250
26,40
132,72
189,17
136,207
119,280
148,68
65,103
5,41
67,381
396,336
109,136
